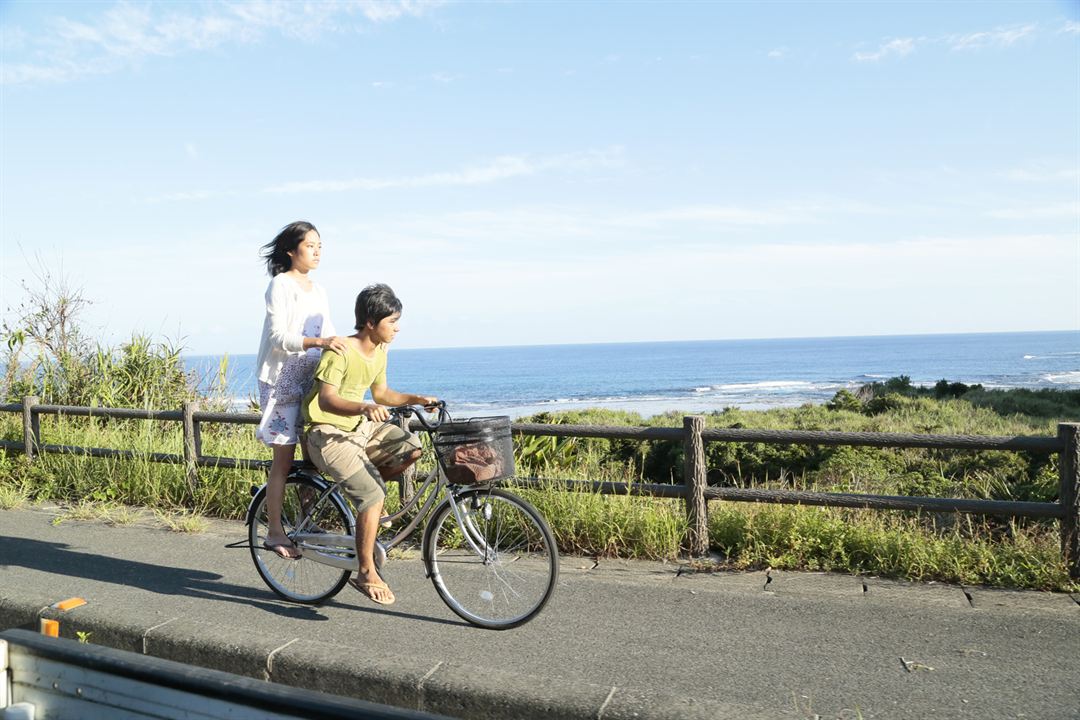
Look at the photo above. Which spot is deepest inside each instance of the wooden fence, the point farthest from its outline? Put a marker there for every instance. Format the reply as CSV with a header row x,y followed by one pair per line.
x,y
694,489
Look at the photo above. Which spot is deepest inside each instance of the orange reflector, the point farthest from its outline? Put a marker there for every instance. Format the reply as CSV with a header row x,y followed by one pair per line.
x,y
50,628
70,603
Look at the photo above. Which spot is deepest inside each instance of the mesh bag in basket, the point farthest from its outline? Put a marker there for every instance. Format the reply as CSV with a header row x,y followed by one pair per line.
x,y
478,450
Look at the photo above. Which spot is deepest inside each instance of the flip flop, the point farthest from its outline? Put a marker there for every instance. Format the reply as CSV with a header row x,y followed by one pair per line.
x,y
275,547
366,589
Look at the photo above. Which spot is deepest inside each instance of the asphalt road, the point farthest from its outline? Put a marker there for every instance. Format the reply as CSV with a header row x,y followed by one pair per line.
x,y
622,639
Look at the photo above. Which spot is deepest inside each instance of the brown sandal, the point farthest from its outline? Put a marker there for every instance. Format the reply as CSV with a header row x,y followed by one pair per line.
x,y
367,589
277,548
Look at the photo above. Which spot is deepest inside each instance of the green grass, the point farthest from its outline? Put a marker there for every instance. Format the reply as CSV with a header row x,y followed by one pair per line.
x,y
965,549
892,544
12,497
588,523
183,522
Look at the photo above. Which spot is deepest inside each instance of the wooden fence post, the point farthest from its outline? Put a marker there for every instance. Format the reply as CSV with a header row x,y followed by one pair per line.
x,y
191,449
407,481
31,427
697,510
1069,496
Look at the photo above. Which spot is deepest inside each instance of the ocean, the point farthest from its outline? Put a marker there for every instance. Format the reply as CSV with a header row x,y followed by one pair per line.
x,y
700,376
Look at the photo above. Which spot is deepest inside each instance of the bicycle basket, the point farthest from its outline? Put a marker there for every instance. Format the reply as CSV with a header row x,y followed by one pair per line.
x,y
478,450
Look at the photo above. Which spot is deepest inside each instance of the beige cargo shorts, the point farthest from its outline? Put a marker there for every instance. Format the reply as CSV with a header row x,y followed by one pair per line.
x,y
353,458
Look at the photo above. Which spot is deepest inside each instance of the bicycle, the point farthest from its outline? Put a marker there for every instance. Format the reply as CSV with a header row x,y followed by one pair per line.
x,y
489,553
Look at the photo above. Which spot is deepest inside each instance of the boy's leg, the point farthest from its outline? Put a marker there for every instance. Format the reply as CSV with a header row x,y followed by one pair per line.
x,y
392,450
342,456
367,577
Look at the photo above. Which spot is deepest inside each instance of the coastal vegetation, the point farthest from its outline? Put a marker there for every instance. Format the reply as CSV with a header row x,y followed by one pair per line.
x,y
48,356
955,548
929,546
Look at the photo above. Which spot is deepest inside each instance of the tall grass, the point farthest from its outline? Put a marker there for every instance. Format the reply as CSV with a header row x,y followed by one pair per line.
x,y
966,549
892,544
74,478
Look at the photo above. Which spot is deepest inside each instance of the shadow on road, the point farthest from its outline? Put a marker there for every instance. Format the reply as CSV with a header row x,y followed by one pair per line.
x,y
59,559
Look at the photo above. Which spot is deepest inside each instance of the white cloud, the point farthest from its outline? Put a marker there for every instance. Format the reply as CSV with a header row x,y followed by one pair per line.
x,y
538,231
814,287
383,11
718,215
1042,174
500,168
778,53
1066,210
1071,27
999,37
126,33
898,47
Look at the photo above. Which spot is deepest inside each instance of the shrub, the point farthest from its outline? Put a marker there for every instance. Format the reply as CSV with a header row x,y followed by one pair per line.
x,y
845,400
889,402
50,356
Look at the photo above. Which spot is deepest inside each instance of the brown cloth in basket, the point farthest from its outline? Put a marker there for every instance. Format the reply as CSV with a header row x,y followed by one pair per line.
x,y
474,463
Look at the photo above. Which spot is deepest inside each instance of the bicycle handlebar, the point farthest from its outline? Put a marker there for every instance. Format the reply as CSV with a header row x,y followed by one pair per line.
x,y
406,411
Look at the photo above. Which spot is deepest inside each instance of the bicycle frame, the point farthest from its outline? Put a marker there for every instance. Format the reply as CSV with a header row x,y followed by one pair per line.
x,y
340,550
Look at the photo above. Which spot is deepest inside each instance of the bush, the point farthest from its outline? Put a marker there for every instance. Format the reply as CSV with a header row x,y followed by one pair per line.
x,y
945,389
890,402
845,400
50,356
1043,403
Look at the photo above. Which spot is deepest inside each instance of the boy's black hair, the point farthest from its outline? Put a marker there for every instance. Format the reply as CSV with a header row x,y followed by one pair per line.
x,y
374,303
276,252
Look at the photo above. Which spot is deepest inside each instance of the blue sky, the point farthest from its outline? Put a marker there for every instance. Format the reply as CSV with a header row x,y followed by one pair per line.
x,y
553,172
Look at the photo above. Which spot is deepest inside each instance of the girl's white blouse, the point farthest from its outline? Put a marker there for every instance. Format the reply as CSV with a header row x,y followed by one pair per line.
x,y
288,308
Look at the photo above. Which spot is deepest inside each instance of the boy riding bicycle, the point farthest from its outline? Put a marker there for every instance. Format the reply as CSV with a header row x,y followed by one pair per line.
x,y
348,439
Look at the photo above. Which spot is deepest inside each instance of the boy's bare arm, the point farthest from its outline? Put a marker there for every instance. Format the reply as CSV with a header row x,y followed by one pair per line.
x,y
384,395
330,401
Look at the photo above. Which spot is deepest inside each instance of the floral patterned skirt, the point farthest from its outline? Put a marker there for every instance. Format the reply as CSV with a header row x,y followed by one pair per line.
x,y
281,417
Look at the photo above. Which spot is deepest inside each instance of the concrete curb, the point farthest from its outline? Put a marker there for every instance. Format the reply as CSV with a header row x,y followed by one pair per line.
x,y
447,688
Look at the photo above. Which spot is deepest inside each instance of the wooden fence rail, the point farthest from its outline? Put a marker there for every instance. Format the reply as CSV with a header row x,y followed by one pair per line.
x,y
693,435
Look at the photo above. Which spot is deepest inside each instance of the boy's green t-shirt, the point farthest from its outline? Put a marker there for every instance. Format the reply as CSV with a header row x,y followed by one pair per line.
x,y
352,374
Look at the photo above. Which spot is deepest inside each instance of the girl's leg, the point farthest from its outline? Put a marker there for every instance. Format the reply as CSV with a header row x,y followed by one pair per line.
x,y
276,539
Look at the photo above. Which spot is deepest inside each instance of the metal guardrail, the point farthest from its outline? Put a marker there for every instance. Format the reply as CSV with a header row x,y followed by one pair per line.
x,y
60,678
694,489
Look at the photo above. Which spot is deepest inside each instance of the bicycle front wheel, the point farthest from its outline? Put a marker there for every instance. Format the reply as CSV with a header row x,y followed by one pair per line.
x,y
495,566
302,580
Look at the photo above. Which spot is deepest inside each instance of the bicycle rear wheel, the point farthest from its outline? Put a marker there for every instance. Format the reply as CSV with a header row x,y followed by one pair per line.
x,y
302,580
495,567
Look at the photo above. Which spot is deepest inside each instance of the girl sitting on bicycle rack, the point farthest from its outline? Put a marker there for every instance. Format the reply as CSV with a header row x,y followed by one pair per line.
x,y
297,326
349,440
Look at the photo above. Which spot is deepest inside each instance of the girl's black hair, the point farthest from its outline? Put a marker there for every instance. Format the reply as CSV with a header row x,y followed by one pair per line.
x,y
375,303
276,252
